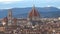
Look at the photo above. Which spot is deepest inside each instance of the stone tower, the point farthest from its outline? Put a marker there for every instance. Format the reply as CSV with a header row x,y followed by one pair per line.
x,y
9,17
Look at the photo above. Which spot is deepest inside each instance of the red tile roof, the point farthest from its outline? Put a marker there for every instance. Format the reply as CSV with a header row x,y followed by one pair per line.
x,y
34,13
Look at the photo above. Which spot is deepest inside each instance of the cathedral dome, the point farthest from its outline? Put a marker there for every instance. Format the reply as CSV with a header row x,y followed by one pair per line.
x,y
34,13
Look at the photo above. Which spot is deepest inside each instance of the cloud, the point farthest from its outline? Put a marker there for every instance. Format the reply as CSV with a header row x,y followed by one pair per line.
x,y
7,8
53,1
49,6
9,1
49,1
58,7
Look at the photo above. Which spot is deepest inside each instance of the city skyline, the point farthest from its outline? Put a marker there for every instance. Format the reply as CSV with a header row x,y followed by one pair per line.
x,y
6,4
40,17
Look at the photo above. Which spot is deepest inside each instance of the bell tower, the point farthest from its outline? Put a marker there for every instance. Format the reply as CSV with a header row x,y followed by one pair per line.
x,y
9,17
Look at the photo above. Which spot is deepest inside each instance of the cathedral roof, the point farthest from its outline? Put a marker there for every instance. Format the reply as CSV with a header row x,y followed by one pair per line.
x,y
34,13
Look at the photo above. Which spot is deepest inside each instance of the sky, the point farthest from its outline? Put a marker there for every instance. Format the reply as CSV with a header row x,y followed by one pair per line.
x,y
6,4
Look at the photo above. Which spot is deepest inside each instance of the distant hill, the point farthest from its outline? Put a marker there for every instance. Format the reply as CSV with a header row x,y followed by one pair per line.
x,y
23,12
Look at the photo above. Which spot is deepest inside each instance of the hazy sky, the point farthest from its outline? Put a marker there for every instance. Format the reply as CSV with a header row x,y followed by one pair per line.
x,y
28,3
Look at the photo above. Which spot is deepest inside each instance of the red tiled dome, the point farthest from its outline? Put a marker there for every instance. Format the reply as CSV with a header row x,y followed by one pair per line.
x,y
34,13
